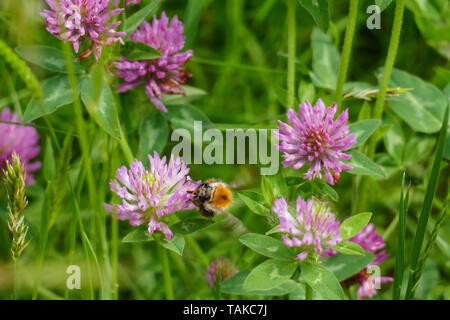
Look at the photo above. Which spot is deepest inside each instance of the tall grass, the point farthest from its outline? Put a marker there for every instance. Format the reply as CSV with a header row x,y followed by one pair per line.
x,y
425,212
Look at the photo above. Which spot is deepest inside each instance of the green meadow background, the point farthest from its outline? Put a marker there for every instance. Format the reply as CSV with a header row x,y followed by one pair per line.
x,y
239,80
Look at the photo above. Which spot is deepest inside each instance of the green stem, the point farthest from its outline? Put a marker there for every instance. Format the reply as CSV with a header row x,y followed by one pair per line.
x,y
390,228
308,292
73,240
43,237
166,272
197,250
125,147
15,281
291,54
400,255
195,247
81,126
346,51
115,255
85,149
85,240
379,104
389,64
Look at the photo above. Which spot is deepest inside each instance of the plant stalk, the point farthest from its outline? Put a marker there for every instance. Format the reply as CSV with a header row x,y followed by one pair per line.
x,y
346,51
166,271
291,53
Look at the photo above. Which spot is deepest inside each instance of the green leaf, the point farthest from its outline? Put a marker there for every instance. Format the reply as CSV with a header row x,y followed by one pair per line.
x,y
190,93
353,225
394,139
363,165
422,108
344,266
295,181
272,230
282,98
267,246
134,21
191,225
447,146
324,188
140,51
383,4
235,285
447,142
49,165
278,184
153,134
389,165
418,148
255,202
176,244
363,130
348,247
46,57
299,293
269,274
139,234
322,280
267,190
56,92
325,62
306,91
318,9
431,18
104,109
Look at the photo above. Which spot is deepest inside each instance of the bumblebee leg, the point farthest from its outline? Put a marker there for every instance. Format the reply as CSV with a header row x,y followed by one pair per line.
x,y
206,213
196,202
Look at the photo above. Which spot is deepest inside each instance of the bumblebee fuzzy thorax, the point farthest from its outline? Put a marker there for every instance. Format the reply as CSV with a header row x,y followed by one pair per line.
x,y
221,197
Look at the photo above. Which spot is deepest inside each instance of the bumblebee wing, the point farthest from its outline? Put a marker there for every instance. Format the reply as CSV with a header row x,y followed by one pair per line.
x,y
233,223
206,213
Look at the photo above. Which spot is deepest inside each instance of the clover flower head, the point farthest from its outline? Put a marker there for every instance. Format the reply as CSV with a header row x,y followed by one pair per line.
x,y
314,228
160,75
312,136
372,242
21,139
77,21
148,195
226,267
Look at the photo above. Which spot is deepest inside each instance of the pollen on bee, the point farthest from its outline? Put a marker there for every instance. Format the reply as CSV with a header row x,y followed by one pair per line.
x,y
222,197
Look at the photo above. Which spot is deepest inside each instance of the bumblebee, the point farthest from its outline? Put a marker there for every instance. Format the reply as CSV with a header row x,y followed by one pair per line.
x,y
211,196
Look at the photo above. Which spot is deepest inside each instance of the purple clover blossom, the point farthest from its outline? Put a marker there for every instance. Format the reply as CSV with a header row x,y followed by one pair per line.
x,y
149,195
21,139
76,21
227,270
161,75
314,229
314,137
372,242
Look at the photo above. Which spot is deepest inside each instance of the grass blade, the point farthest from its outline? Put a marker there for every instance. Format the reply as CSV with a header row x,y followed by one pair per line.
x,y
417,273
426,208
400,255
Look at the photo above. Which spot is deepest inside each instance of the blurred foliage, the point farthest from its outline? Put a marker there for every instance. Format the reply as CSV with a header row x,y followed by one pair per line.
x,y
240,63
